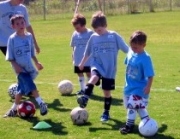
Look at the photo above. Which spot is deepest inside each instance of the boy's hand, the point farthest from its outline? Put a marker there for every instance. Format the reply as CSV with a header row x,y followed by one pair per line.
x,y
81,66
147,90
39,66
37,49
18,69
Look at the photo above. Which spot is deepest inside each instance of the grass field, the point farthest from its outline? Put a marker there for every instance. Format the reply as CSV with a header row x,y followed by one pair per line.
x,y
53,37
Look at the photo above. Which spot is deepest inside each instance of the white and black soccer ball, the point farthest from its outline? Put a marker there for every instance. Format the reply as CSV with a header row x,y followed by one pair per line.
x,y
26,109
148,127
79,116
12,90
65,87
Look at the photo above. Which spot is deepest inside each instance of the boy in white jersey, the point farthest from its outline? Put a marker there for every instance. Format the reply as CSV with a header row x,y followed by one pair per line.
x,y
139,77
78,42
20,52
9,8
103,47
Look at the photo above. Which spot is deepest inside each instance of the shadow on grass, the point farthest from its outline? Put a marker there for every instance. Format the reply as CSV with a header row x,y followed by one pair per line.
x,y
56,129
114,126
159,135
115,101
57,105
86,124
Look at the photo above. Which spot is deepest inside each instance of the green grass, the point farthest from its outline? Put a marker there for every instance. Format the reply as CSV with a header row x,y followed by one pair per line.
x,y
53,37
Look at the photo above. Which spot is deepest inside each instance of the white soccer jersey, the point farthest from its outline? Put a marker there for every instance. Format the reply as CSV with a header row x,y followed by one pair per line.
x,y
6,12
21,50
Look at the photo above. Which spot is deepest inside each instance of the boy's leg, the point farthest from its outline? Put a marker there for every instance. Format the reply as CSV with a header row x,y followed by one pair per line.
x,y
82,100
107,86
42,105
81,83
107,104
142,111
128,127
13,111
27,85
131,116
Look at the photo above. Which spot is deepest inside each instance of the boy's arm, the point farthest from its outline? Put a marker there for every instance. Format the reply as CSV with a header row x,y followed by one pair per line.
x,y
83,61
36,62
17,68
148,86
30,29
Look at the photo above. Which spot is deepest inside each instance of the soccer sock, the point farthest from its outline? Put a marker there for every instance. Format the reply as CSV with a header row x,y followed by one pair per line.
x,y
131,116
143,113
107,104
82,83
88,89
39,100
14,106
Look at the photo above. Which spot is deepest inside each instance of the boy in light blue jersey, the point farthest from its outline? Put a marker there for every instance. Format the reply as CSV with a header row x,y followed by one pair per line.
x,y
9,8
78,42
103,47
20,52
139,78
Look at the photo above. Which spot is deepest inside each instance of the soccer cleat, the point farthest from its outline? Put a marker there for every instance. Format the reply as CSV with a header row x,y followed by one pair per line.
x,y
82,101
126,129
105,117
43,109
10,113
81,92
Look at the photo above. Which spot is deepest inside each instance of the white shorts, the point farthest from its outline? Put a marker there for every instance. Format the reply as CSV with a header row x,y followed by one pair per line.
x,y
126,99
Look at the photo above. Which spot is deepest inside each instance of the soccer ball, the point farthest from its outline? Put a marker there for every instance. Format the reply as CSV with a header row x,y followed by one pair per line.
x,y
65,87
148,127
12,90
26,109
79,116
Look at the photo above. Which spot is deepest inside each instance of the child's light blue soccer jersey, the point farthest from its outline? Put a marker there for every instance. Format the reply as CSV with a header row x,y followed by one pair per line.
x,y
78,42
21,50
6,12
139,68
104,51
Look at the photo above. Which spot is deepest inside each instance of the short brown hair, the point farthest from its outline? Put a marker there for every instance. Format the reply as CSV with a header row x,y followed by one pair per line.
x,y
98,20
78,19
15,17
138,37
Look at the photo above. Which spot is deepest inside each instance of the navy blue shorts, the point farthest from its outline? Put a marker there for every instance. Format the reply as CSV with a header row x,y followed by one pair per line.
x,y
25,84
86,69
107,83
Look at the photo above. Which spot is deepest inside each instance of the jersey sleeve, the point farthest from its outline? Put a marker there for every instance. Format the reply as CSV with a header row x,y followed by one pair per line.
x,y
9,53
148,67
121,44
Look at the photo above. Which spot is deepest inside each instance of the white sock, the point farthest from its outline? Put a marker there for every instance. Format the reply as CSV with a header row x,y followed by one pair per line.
x,y
14,106
39,100
82,83
131,114
143,113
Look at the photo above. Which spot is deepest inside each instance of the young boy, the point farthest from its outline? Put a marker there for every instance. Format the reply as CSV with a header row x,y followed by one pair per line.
x,y
20,52
103,47
78,42
139,77
9,8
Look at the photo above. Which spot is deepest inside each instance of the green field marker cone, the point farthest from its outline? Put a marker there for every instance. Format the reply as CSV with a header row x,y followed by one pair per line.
x,y
42,125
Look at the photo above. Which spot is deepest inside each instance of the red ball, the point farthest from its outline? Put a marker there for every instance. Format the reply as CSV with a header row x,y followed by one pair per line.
x,y
26,109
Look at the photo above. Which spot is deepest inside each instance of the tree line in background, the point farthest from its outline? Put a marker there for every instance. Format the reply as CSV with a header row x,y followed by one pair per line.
x,y
110,7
